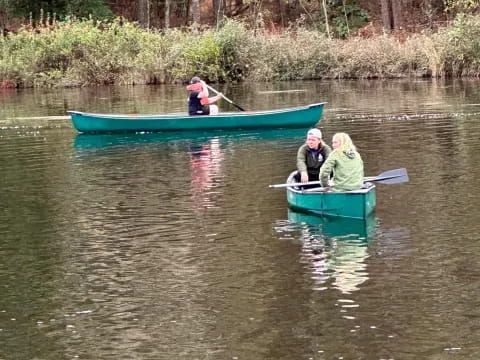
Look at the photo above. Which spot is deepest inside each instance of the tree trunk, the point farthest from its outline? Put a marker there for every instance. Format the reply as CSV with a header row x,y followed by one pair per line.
x,y
397,14
167,14
257,6
431,9
3,20
281,6
144,13
324,5
346,17
187,12
427,10
195,11
219,10
386,15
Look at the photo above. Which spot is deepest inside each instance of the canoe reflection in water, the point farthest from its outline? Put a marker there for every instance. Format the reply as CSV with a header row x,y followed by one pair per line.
x,y
98,141
333,249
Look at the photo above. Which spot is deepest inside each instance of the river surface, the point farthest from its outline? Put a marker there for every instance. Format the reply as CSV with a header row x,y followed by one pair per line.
x,y
172,246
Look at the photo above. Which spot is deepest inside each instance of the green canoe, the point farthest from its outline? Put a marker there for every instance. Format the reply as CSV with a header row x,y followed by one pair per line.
x,y
303,116
356,204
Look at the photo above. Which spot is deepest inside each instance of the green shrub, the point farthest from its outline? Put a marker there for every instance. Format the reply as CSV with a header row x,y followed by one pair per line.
x,y
464,39
88,52
237,50
198,54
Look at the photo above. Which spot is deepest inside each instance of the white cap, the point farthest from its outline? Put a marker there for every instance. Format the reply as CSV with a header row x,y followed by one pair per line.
x,y
315,132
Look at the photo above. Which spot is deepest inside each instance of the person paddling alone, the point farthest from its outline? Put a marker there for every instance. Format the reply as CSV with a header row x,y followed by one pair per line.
x,y
346,164
311,156
198,101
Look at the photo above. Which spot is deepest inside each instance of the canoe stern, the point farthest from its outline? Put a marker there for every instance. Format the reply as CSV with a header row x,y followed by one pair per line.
x,y
350,204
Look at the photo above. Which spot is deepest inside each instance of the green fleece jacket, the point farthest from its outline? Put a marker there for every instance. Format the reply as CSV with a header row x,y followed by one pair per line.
x,y
310,162
347,169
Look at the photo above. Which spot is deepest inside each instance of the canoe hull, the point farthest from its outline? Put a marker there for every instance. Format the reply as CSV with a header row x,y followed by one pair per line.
x,y
356,204
292,117
346,228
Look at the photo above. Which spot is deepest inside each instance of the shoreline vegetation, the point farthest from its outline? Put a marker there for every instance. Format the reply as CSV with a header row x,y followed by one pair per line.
x,y
75,53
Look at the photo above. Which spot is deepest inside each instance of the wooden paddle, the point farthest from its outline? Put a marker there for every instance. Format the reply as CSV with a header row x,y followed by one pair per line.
x,y
227,99
396,176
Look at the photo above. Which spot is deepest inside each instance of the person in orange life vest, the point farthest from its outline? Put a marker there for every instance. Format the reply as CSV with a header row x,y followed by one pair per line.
x,y
198,101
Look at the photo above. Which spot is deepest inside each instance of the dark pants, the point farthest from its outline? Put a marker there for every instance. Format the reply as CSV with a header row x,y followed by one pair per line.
x,y
311,177
205,111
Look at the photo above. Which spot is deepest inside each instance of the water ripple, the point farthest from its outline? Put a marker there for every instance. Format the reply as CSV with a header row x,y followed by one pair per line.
x,y
168,246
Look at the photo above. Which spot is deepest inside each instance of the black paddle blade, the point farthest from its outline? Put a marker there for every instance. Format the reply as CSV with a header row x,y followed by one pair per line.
x,y
238,107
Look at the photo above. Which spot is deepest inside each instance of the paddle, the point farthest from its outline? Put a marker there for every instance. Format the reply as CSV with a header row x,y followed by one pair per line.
x,y
396,176
227,99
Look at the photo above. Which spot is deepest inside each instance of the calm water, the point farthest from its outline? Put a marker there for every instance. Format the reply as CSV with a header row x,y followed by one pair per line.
x,y
171,246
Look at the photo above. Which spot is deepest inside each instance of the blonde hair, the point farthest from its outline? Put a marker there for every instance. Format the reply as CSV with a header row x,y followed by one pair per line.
x,y
345,142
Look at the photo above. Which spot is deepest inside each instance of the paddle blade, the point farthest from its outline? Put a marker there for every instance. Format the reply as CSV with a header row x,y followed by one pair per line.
x,y
237,106
396,176
393,180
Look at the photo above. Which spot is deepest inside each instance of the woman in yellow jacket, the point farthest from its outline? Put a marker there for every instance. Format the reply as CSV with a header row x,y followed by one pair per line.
x,y
346,164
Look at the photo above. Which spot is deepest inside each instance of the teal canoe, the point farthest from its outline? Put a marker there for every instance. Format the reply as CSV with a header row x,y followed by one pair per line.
x,y
356,204
303,116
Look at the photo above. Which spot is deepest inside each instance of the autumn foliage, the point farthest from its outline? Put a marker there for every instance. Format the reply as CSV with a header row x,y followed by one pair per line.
x,y
85,53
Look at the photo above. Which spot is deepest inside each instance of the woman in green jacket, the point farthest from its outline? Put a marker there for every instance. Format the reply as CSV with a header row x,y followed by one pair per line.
x,y
346,164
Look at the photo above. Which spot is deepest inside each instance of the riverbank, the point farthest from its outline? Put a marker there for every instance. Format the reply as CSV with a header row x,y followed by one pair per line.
x,y
89,53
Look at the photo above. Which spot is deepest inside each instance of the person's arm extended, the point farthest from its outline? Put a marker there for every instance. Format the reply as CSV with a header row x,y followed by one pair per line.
x,y
301,162
204,93
327,168
215,98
